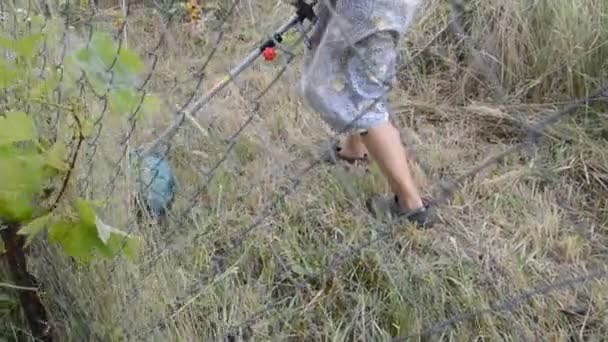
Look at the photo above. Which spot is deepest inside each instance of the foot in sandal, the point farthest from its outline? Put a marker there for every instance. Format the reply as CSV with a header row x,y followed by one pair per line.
x,y
350,150
388,206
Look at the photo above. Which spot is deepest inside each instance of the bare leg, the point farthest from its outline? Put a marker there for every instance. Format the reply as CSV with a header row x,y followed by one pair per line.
x,y
353,147
385,147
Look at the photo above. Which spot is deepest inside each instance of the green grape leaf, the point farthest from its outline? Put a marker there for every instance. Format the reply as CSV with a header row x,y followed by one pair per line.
x,y
71,72
42,89
22,172
116,239
24,46
127,244
7,151
124,101
83,237
86,213
15,127
55,157
9,74
130,60
34,227
23,175
84,55
77,239
15,206
103,46
102,60
95,60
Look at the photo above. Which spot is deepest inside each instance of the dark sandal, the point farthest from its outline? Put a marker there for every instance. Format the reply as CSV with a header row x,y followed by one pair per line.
x,y
334,155
388,206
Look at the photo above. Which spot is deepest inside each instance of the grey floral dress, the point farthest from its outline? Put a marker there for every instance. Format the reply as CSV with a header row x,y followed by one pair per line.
x,y
351,62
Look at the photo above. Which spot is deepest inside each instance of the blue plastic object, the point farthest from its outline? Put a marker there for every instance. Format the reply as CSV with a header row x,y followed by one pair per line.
x,y
155,181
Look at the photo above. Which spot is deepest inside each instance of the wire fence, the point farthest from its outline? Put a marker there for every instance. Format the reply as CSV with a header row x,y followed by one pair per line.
x,y
105,172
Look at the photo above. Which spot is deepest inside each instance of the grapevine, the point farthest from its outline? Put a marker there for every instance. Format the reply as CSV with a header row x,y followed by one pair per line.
x,y
39,156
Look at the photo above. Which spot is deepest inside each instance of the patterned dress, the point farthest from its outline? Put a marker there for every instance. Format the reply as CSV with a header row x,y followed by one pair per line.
x,y
348,69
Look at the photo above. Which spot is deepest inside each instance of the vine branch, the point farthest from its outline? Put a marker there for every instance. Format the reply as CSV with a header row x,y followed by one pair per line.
x,y
68,175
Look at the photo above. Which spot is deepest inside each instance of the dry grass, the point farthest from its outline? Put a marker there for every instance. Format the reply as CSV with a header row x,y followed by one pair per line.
x,y
533,218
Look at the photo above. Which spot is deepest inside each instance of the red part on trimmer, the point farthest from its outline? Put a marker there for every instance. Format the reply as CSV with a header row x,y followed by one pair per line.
x,y
269,53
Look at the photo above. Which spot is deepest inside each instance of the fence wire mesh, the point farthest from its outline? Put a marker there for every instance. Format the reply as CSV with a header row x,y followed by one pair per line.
x,y
264,239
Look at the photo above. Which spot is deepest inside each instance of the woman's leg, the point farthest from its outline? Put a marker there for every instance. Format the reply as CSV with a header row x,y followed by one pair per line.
x,y
385,147
350,93
353,147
